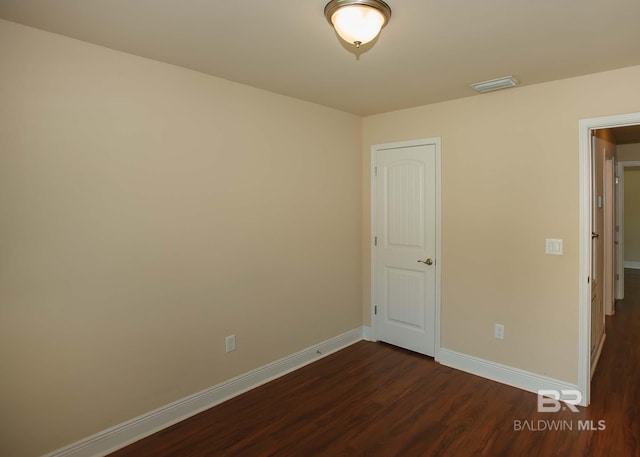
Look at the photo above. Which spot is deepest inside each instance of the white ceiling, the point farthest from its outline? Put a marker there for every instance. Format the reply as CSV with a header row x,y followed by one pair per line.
x,y
430,51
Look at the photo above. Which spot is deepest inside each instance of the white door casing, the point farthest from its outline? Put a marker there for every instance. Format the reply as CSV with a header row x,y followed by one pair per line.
x,y
619,232
405,209
609,235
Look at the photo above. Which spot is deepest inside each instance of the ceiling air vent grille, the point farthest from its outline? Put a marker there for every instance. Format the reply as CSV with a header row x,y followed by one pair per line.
x,y
495,84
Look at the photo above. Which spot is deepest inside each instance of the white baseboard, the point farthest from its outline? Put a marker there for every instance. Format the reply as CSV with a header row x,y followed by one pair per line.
x,y
632,264
121,435
610,308
504,374
367,333
596,358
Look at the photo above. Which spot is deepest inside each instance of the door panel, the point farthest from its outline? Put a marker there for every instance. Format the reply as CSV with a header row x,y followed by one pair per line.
x,y
404,189
405,293
599,152
405,228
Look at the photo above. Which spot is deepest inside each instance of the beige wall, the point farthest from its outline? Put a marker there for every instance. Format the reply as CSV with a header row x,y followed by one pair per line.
x,y
509,180
632,214
628,152
146,212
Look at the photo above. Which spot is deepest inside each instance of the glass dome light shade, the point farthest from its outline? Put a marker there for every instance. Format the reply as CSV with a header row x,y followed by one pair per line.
x,y
357,24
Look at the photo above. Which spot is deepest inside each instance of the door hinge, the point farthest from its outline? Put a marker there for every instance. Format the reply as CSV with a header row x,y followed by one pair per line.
x,y
375,170
617,277
375,310
588,280
375,240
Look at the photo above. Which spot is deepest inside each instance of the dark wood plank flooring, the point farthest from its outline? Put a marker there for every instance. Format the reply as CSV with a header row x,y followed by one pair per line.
x,y
372,399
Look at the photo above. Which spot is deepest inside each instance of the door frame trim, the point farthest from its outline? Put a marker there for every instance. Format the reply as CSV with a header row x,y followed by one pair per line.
x,y
609,232
620,204
585,126
436,141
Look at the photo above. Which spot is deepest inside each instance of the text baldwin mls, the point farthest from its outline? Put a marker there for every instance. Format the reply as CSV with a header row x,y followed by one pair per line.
x,y
562,425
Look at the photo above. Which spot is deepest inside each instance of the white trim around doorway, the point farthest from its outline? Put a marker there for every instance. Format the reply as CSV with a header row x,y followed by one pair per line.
x,y
585,126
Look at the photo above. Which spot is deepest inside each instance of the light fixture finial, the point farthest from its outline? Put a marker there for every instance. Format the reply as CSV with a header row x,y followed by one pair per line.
x,y
357,21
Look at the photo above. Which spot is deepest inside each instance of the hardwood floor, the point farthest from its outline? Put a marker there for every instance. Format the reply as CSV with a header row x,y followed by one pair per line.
x,y
373,399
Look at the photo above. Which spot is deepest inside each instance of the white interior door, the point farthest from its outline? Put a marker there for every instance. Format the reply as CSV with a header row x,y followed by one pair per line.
x,y
597,246
405,263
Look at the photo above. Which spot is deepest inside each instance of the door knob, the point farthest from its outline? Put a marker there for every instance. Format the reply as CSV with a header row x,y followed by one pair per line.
x,y
594,235
428,261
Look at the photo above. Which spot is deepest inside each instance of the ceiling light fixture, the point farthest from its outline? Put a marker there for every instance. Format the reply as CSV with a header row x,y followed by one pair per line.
x,y
495,84
357,21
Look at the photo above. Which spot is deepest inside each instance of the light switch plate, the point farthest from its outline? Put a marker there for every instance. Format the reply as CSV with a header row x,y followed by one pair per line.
x,y
553,246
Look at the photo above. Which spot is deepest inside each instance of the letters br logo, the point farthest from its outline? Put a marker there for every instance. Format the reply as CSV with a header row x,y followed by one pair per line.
x,y
550,400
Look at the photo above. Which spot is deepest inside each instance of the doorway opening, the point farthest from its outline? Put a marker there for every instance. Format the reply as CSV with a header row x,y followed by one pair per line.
x,y
602,142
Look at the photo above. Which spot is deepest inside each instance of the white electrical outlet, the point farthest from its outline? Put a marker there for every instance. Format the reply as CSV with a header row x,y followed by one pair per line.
x,y
498,331
230,343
